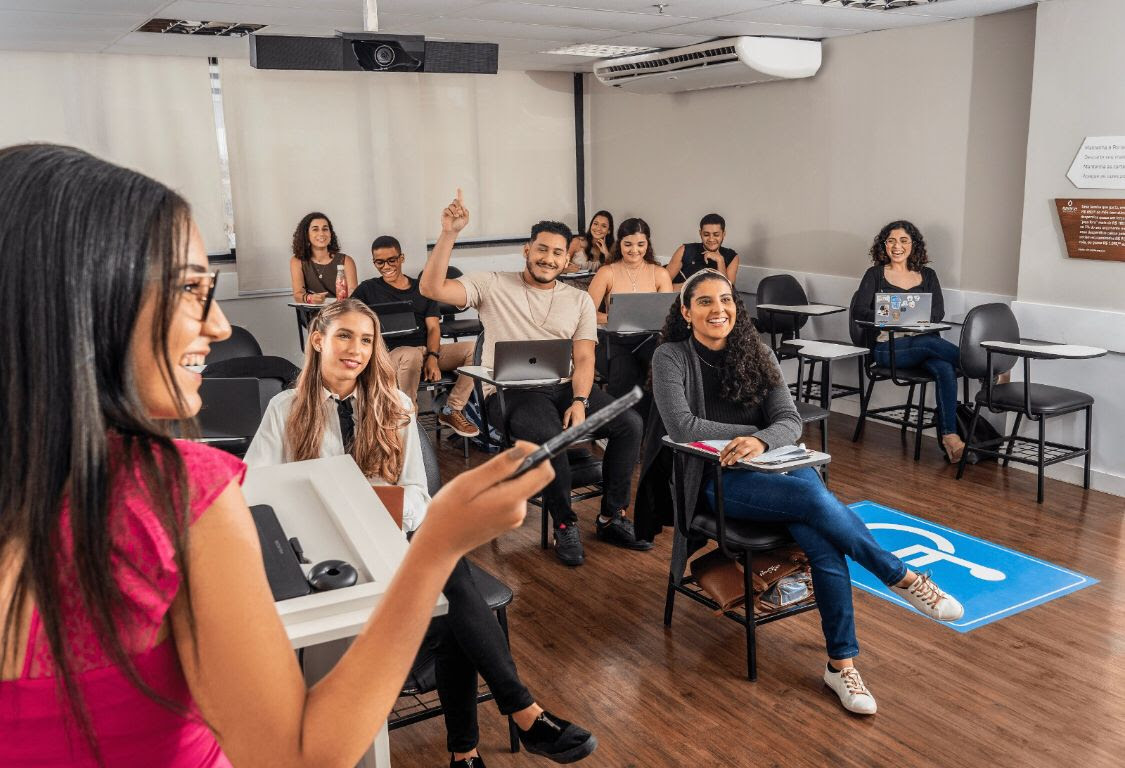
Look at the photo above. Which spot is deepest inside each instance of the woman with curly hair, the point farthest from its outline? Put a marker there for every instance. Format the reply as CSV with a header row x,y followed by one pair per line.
x,y
316,259
899,256
718,381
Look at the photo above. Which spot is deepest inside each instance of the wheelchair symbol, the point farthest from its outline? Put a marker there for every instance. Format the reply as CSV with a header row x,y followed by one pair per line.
x,y
924,555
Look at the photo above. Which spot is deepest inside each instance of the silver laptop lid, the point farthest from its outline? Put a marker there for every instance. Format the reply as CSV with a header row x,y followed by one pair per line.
x,y
539,360
638,312
902,308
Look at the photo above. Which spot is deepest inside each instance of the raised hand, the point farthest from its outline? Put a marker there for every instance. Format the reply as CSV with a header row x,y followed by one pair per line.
x,y
455,216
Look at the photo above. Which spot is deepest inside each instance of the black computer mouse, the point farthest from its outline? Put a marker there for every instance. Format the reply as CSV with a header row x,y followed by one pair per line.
x,y
332,574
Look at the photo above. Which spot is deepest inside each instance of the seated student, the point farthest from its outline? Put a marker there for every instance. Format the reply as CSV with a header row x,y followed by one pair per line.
x,y
346,401
591,249
708,253
136,621
719,381
528,305
316,257
420,355
631,268
899,256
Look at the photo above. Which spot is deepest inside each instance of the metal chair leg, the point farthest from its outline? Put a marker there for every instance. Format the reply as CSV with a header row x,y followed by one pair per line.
x,y
969,443
906,411
751,626
921,423
543,524
1040,466
513,732
669,601
864,399
1087,457
1012,440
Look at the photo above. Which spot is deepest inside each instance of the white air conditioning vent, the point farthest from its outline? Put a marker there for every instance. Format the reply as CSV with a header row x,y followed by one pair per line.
x,y
718,64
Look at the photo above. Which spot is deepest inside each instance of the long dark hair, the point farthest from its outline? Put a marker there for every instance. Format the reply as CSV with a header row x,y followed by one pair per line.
x,y
748,371
918,255
589,237
302,248
75,431
632,227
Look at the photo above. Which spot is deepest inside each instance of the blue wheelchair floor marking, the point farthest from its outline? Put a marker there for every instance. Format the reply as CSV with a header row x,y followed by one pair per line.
x,y
990,581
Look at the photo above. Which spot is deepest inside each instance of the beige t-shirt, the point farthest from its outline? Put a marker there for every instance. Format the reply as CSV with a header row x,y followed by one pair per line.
x,y
513,311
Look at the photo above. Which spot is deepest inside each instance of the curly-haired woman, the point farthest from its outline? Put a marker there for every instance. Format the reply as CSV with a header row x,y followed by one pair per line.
x,y
899,256
315,261
718,381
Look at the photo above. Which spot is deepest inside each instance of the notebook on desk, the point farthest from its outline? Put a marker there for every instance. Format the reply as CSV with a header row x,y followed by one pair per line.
x,y
783,459
539,360
894,309
638,312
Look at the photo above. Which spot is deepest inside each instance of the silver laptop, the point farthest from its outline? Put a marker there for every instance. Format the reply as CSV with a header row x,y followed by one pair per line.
x,y
638,312
902,309
541,360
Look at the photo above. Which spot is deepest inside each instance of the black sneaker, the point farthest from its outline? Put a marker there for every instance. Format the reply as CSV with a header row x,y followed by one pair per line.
x,y
619,532
469,762
568,545
558,740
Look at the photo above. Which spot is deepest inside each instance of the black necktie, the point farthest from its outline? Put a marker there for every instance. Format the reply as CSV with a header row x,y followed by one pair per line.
x,y
347,423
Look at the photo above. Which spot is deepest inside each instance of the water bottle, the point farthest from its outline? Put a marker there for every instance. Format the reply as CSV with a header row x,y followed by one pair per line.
x,y
341,283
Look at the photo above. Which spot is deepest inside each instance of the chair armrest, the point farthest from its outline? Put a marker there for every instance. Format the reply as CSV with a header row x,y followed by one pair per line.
x,y
1044,351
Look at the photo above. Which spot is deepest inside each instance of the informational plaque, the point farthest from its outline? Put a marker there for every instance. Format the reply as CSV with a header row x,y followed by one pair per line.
x,y
1093,228
1100,163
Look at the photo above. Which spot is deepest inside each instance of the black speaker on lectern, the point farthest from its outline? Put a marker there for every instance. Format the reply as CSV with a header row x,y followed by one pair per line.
x,y
368,52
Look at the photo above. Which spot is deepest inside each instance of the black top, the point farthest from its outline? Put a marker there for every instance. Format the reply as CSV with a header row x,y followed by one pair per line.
x,y
693,260
718,407
375,291
875,281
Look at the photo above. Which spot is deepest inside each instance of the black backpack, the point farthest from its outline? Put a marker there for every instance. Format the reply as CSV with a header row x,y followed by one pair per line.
x,y
982,434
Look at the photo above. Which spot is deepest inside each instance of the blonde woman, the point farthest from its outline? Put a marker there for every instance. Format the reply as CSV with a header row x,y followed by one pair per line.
x,y
346,401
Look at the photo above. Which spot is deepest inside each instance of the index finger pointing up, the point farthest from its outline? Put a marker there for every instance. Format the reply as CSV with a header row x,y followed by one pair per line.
x,y
459,200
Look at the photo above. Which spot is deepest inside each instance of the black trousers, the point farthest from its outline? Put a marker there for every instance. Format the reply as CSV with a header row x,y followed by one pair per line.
x,y
536,415
468,640
630,358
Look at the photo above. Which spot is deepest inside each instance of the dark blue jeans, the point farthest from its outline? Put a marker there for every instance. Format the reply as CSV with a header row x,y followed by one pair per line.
x,y
937,356
825,529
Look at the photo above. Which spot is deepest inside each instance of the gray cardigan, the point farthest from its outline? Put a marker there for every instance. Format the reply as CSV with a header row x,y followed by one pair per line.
x,y
681,413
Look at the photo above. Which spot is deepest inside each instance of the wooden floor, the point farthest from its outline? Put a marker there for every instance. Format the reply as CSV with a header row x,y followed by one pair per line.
x,y
1043,688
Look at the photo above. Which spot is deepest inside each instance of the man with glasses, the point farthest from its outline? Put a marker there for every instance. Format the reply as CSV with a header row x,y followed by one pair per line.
x,y
419,355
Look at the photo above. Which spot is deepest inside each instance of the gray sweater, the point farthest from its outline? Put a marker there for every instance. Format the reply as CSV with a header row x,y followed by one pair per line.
x,y
681,413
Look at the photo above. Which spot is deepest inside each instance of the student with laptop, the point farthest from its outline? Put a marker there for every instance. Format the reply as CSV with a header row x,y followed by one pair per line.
x,y
708,253
900,258
718,381
533,305
346,401
632,268
418,355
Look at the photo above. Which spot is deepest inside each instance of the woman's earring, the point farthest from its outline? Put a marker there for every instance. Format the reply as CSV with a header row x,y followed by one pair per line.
x,y
316,349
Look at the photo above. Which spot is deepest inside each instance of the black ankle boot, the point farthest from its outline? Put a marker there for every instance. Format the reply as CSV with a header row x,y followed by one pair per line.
x,y
468,762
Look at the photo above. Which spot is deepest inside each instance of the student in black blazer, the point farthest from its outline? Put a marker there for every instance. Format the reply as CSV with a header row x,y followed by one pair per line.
x,y
899,256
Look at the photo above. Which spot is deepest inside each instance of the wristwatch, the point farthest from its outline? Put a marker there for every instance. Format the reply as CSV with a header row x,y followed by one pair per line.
x,y
429,353
584,400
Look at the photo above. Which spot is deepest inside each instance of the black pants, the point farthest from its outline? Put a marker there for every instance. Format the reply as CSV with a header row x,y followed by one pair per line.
x,y
630,358
536,415
468,640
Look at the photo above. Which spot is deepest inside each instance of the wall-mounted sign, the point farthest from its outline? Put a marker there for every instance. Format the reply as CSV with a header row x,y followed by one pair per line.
x,y
1093,228
1100,163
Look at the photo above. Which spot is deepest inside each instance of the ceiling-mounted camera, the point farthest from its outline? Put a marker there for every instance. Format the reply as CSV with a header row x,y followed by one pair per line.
x,y
386,53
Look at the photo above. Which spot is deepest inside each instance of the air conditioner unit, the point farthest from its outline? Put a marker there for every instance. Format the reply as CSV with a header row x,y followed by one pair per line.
x,y
718,64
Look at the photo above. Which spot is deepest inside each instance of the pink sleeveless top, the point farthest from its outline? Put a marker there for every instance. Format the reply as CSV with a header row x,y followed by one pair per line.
x,y
131,729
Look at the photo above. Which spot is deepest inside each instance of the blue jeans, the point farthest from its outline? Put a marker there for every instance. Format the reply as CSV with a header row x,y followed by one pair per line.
x,y
825,529
937,356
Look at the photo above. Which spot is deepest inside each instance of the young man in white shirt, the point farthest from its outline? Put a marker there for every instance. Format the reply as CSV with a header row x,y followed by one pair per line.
x,y
529,305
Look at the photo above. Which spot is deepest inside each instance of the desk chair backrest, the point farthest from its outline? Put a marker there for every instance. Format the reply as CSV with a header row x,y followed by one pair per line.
x,y
855,330
233,408
448,310
780,289
429,461
988,322
478,349
240,344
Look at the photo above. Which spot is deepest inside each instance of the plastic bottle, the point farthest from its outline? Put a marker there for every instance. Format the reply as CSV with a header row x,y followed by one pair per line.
x,y
341,283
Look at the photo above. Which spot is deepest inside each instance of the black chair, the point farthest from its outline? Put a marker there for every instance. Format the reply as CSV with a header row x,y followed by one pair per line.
x,y
1036,402
451,326
737,539
418,700
240,344
232,410
585,467
920,416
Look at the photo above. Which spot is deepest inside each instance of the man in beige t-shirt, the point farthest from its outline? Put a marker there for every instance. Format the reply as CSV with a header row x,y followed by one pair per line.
x,y
529,305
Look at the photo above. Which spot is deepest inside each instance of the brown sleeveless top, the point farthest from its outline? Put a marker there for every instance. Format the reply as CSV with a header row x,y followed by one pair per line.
x,y
321,278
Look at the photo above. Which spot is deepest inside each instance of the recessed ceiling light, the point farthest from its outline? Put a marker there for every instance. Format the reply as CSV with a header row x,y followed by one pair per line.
x,y
214,28
599,51
874,5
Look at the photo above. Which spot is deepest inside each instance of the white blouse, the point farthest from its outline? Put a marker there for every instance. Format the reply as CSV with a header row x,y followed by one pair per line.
x,y
268,449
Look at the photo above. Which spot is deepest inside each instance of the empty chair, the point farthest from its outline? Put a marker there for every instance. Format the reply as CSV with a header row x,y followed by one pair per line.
x,y
240,344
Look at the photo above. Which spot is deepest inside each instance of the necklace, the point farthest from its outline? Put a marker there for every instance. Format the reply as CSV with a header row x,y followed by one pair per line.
x,y
527,298
629,274
699,357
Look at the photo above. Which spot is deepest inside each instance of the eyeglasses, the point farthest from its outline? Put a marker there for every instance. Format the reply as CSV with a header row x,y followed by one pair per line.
x,y
903,241
204,296
380,263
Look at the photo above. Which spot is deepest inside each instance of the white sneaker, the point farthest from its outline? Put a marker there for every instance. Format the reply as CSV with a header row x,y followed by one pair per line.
x,y
849,686
930,600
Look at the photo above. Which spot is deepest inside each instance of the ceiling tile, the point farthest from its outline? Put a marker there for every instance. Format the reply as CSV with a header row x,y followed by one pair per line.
x,y
182,45
828,16
262,14
44,23
136,7
733,28
691,9
566,17
957,9
484,30
430,8
655,40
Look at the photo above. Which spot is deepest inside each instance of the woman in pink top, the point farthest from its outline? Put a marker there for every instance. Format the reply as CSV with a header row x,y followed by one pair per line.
x,y
136,623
